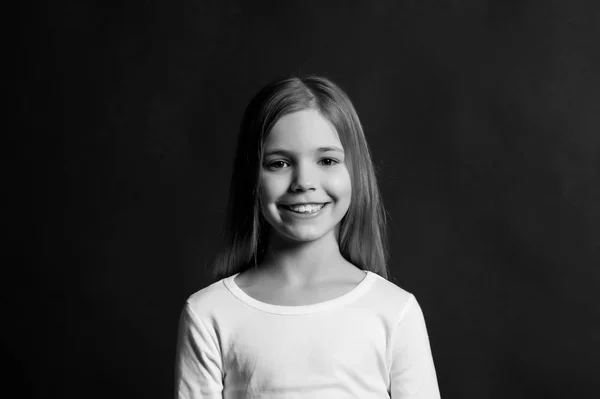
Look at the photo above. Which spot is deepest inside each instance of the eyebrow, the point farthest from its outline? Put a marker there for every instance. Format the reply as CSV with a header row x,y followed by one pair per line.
x,y
286,152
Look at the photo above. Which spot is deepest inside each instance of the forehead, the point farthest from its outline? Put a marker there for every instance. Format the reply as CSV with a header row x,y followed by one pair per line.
x,y
302,130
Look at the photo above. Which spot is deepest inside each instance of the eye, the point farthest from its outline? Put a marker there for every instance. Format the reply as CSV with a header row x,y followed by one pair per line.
x,y
277,164
329,161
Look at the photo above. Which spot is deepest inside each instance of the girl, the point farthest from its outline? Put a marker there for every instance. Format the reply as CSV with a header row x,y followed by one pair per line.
x,y
303,307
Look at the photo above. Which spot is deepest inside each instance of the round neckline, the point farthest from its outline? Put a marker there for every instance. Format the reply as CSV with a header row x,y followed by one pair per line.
x,y
351,295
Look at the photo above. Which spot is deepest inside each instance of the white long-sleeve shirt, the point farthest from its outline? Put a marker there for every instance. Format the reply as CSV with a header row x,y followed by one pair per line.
x,y
369,343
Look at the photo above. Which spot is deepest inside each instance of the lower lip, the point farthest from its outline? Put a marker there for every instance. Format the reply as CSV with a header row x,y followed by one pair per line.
x,y
303,215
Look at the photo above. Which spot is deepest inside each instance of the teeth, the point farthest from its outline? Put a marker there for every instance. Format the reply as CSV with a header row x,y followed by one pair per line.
x,y
306,208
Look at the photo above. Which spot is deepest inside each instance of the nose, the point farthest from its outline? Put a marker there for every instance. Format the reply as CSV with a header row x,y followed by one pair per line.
x,y
304,178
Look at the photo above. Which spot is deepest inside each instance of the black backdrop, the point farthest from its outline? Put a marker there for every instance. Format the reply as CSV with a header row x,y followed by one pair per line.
x,y
484,122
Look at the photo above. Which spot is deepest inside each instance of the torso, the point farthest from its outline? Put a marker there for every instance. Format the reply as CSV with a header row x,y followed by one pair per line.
x,y
265,289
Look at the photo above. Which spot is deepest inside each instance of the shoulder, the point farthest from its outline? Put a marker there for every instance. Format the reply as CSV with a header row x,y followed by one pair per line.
x,y
391,298
208,299
391,290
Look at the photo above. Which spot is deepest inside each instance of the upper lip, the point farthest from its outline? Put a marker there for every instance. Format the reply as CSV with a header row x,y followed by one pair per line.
x,y
304,203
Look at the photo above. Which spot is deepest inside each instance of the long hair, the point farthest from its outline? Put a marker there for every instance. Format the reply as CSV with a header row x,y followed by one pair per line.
x,y
362,231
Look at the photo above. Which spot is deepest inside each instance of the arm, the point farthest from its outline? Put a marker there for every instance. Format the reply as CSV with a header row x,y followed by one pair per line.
x,y
198,368
412,373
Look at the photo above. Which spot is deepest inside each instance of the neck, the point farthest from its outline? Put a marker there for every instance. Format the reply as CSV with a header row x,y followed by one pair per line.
x,y
305,262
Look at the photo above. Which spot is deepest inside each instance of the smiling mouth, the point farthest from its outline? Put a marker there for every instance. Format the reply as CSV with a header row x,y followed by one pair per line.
x,y
304,208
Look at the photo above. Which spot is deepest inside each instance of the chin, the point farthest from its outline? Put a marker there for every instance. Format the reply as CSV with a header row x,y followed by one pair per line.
x,y
304,236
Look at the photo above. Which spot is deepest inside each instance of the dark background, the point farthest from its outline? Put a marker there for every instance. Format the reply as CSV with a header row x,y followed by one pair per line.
x,y
484,123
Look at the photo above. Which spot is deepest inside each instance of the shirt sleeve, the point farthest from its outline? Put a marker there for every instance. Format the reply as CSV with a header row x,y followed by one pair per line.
x,y
412,372
198,366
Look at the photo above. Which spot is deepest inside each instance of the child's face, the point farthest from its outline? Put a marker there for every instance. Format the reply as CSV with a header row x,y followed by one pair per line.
x,y
303,163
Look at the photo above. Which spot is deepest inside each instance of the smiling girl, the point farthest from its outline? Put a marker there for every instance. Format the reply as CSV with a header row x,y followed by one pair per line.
x,y
303,307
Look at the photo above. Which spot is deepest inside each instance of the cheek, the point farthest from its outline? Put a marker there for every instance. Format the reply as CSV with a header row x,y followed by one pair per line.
x,y
264,200
269,190
340,185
